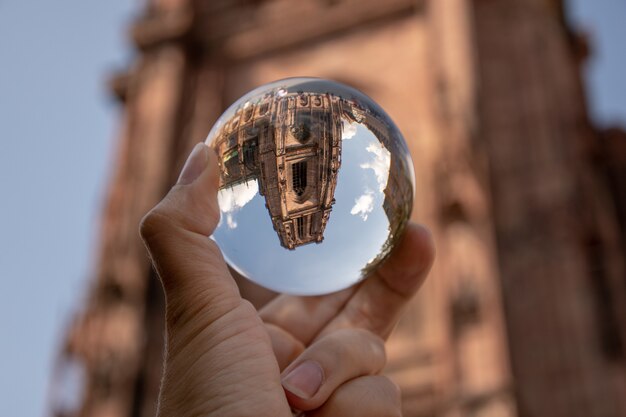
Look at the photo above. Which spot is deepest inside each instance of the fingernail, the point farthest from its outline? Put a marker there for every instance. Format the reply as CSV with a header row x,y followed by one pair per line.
x,y
304,380
195,164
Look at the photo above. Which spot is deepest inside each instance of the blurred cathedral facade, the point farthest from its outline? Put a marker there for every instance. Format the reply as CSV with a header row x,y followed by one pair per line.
x,y
524,313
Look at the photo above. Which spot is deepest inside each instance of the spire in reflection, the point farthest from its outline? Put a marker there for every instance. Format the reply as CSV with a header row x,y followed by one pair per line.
x,y
290,143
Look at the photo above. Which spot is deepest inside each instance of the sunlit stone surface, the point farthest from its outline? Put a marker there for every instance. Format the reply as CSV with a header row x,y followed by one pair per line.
x,y
316,185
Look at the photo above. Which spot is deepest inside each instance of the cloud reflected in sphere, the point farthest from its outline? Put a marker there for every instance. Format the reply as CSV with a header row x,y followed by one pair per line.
x,y
316,185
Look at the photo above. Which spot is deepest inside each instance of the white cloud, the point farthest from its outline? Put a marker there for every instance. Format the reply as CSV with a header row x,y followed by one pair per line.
x,y
232,224
349,130
234,198
363,205
379,164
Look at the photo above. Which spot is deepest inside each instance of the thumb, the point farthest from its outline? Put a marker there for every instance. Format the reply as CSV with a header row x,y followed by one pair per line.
x,y
175,232
218,357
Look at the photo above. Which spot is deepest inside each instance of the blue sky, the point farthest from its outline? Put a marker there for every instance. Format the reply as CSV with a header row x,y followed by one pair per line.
x,y
604,21
57,130
57,136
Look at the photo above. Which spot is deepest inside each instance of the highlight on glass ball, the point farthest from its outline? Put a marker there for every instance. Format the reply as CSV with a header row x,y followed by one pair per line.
x,y
316,185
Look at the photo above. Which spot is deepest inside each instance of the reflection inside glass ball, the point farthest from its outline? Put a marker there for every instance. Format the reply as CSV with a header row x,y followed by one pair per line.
x,y
316,185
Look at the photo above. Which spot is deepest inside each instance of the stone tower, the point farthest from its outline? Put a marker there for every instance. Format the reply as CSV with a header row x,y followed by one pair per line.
x,y
525,310
291,146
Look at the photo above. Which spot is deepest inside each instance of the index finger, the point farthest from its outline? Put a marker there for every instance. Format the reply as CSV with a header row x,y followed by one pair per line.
x,y
381,299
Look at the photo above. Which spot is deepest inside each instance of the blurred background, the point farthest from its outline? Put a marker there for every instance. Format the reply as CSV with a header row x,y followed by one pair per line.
x,y
514,112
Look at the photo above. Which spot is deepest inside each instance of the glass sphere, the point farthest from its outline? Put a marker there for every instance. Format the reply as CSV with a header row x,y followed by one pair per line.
x,y
316,185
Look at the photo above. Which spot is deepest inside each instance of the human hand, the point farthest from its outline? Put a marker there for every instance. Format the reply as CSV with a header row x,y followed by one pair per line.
x,y
223,358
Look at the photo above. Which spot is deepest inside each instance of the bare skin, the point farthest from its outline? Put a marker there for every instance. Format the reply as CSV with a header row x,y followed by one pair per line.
x,y
322,355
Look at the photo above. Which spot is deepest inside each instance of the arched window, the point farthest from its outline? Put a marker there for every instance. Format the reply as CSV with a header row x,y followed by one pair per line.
x,y
298,178
300,227
250,150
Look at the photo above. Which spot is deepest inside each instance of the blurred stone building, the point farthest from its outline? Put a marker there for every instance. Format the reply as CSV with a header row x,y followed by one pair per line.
x,y
525,310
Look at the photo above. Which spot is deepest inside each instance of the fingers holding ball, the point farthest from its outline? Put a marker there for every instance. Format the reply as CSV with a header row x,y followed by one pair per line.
x,y
329,363
366,396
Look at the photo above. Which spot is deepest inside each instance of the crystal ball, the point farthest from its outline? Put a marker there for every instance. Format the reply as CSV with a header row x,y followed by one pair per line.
x,y
316,185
